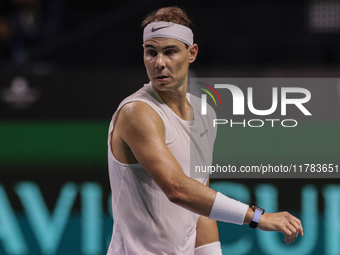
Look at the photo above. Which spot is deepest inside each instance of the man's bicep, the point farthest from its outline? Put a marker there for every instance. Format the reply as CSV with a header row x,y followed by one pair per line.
x,y
143,131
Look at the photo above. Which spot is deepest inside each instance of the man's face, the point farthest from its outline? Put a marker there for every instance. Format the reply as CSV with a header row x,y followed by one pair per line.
x,y
167,62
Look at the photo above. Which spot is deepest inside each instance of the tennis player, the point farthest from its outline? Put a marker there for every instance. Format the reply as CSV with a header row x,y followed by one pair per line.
x,y
157,208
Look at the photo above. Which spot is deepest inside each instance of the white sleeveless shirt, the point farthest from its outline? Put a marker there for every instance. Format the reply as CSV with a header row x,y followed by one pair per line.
x,y
145,221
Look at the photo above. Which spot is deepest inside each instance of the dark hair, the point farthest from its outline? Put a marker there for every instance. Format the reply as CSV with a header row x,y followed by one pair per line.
x,y
169,14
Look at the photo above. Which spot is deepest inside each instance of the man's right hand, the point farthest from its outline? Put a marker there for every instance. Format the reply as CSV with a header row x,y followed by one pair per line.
x,y
283,222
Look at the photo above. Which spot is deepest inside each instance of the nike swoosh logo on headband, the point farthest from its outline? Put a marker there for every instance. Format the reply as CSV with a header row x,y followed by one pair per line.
x,y
153,29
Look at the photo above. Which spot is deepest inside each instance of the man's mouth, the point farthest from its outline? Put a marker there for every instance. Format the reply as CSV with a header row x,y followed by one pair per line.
x,y
162,77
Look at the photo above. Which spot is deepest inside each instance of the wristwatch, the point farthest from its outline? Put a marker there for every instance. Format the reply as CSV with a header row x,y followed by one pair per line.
x,y
256,218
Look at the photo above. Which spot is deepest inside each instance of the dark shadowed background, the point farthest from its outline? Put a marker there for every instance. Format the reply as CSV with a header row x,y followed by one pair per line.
x,y
66,65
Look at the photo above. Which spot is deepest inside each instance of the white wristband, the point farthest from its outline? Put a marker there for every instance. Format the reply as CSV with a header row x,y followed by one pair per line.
x,y
209,249
228,210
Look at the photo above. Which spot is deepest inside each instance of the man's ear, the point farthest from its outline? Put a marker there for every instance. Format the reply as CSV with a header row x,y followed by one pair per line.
x,y
193,50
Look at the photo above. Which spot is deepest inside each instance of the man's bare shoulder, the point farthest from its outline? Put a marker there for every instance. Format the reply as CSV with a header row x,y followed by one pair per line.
x,y
138,110
139,115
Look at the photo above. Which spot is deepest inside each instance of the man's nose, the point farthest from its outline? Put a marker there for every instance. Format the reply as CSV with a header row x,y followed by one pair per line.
x,y
160,64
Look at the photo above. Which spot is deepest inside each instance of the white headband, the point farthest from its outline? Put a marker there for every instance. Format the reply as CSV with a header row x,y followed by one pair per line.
x,y
168,30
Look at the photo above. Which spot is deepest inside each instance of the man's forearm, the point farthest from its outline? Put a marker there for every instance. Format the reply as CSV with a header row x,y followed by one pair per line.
x,y
201,199
193,196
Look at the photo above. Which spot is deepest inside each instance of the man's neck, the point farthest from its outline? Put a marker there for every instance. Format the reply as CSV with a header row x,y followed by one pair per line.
x,y
177,101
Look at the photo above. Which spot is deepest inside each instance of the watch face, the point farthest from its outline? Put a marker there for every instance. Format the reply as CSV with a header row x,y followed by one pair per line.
x,y
257,215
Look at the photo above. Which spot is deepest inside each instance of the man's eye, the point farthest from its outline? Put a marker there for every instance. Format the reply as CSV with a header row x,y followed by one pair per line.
x,y
169,52
152,53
